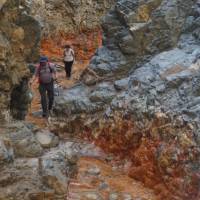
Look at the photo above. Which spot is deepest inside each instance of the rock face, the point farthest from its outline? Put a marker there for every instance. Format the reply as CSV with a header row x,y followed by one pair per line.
x,y
141,96
69,21
19,37
68,15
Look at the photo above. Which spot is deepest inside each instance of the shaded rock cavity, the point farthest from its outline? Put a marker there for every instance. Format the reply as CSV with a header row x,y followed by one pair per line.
x,y
21,97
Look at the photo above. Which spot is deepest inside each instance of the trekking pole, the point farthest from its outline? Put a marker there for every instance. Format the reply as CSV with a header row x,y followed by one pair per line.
x,y
56,81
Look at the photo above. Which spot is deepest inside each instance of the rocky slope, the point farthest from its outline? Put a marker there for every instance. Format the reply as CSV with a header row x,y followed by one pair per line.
x,y
69,21
140,96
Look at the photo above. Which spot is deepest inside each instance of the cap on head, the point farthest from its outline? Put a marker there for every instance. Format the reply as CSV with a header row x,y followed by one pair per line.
x,y
43,59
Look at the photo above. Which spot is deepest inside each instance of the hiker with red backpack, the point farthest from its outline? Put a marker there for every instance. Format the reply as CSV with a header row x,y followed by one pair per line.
x,y
46,74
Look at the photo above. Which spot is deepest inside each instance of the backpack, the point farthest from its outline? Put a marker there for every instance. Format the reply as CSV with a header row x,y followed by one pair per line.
x,y
45,74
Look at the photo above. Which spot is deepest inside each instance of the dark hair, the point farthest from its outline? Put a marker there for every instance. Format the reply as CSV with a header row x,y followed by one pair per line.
x,y
67,46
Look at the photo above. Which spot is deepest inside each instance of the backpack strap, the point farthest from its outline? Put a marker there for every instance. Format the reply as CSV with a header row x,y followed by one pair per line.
x,y
39,68
50,68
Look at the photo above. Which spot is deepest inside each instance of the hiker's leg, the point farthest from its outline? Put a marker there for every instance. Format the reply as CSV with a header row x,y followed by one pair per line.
x,y
70,68
50,93
42,91
66,69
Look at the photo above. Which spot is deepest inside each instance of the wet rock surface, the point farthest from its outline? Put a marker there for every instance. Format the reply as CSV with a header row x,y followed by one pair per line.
x,y
149,109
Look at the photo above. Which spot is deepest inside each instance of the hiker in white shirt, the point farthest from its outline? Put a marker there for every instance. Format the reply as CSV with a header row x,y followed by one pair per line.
x,y
69,59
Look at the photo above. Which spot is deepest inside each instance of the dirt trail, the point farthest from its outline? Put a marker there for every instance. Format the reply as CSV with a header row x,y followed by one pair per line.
x,y
97,179
34,115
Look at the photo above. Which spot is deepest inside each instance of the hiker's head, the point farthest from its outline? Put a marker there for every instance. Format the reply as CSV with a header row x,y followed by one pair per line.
x,y
67,46
43,60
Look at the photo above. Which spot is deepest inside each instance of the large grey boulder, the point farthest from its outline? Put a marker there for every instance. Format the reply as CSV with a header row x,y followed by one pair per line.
x,y
103,93
137,30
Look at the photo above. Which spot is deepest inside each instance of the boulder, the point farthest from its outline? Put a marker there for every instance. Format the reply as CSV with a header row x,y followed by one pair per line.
x,y
114,196
102,93
47,139
53,177
23,141
6,152
94,171
91,196
121,84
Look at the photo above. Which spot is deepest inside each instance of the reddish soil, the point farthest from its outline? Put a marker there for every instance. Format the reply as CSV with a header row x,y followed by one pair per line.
x,y
115,180
84,44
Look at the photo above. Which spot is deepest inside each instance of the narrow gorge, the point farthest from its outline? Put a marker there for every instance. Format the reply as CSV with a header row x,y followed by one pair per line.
x,y
126,126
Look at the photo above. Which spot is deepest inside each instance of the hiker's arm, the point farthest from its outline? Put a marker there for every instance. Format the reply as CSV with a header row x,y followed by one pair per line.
x,y
63,55
35,76
54,72
73,54
33,79
54,75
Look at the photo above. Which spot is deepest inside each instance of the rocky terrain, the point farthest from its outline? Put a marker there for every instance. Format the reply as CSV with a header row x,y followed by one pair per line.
x,y
138,100
140,96
34,165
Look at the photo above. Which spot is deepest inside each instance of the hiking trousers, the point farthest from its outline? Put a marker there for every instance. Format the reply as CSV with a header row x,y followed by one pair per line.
x,y
47,96
68,68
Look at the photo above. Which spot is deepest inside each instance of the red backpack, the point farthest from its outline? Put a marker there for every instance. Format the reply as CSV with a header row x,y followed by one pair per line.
x,y
45,74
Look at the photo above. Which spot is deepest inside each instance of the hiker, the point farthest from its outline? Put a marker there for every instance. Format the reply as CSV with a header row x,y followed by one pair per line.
x,y
46,75
69,59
